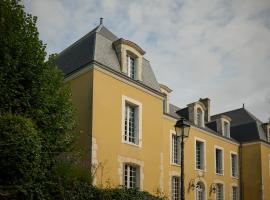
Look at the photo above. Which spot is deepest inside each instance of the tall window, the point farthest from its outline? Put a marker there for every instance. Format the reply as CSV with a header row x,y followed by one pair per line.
x,y
131,71
226,129
131,178
199,117
219,191
131,123
234,193
175,149
200,155
175,188
200,191
219,161
234,165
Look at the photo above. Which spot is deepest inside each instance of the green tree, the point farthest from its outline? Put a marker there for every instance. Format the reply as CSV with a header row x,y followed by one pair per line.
x,y
33,89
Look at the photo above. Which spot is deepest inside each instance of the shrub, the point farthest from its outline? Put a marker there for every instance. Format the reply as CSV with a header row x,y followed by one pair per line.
x,y
20,150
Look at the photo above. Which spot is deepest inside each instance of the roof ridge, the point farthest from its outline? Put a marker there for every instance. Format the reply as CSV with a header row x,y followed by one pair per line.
x,y
223,113
76,42
253,116
103,28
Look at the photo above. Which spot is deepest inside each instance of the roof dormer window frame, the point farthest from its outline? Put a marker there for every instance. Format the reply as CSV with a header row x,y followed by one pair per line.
x,y
199,117
126,50
226,128
131,66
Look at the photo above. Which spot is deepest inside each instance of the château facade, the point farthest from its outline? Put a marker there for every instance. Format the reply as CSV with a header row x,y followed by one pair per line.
x,y
127,128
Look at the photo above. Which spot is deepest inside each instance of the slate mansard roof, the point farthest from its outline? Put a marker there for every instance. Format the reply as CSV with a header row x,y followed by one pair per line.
x,y
245,126
97,46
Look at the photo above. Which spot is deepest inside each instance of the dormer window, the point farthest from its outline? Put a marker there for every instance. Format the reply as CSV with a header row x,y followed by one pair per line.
x,y
226,129
131,71
130,57
200,117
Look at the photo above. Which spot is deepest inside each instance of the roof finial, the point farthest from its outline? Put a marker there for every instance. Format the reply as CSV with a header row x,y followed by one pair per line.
x,y
101,21
243,105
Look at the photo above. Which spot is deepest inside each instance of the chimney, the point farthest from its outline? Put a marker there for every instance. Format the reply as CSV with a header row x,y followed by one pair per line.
x,y
101,21
206,103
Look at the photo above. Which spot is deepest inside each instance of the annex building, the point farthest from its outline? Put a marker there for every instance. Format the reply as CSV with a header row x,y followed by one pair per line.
x,y
127,129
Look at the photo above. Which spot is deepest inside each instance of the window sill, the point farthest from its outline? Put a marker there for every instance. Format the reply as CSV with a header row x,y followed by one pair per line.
x,y
131,144
200,170
235,177
219,174
176,165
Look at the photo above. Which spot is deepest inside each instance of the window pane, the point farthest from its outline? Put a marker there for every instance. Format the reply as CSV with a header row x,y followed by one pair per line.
x,y
175,149
131,71
219,164
130,124
175,188
131,176
199,117
219,192
199,155
234,165
234,193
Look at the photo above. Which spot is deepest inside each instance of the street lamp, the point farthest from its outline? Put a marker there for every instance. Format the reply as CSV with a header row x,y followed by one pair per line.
x,y
182,131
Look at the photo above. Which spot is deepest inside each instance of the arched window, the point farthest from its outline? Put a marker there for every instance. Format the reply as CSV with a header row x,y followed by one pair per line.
x,y
199,117
200,191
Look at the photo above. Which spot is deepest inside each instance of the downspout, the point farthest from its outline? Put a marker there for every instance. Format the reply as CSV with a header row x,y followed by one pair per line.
x,y
241,193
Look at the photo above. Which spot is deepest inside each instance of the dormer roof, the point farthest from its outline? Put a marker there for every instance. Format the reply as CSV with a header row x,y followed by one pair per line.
x,y
97,46
245,126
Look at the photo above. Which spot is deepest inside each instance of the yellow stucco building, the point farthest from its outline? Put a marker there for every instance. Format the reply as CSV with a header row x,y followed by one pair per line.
x,y
128,135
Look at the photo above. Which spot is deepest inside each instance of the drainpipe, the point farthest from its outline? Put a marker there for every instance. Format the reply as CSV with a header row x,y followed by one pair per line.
x,y
241,192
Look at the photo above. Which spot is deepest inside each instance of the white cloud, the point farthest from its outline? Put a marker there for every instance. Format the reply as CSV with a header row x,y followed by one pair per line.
x,y
215,48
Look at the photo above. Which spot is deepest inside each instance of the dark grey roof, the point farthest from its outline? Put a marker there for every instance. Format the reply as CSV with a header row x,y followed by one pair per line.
x,y
97,45
172,111
212,125
245,126
184,113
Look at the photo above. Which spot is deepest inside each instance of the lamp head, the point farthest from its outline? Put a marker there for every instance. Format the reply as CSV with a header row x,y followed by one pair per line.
x,y
182,127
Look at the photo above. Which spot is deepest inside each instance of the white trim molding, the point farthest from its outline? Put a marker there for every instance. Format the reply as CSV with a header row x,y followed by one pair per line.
x,y
138,133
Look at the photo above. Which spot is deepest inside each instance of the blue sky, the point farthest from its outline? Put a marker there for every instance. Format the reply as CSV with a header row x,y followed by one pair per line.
x,y
213,48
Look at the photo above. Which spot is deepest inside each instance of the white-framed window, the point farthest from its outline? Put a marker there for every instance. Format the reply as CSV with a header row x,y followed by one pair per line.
x,y
219,156
131,176
219,191
200,120
200,191
131,69
175,149
200,154
235,193
234,165
131,121
175,193
226,129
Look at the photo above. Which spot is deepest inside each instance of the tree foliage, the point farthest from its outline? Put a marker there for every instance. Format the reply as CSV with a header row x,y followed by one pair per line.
x,y
20,158
33,90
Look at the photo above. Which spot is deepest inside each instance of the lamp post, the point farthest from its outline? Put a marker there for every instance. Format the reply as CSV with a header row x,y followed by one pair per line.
x,y
182,131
